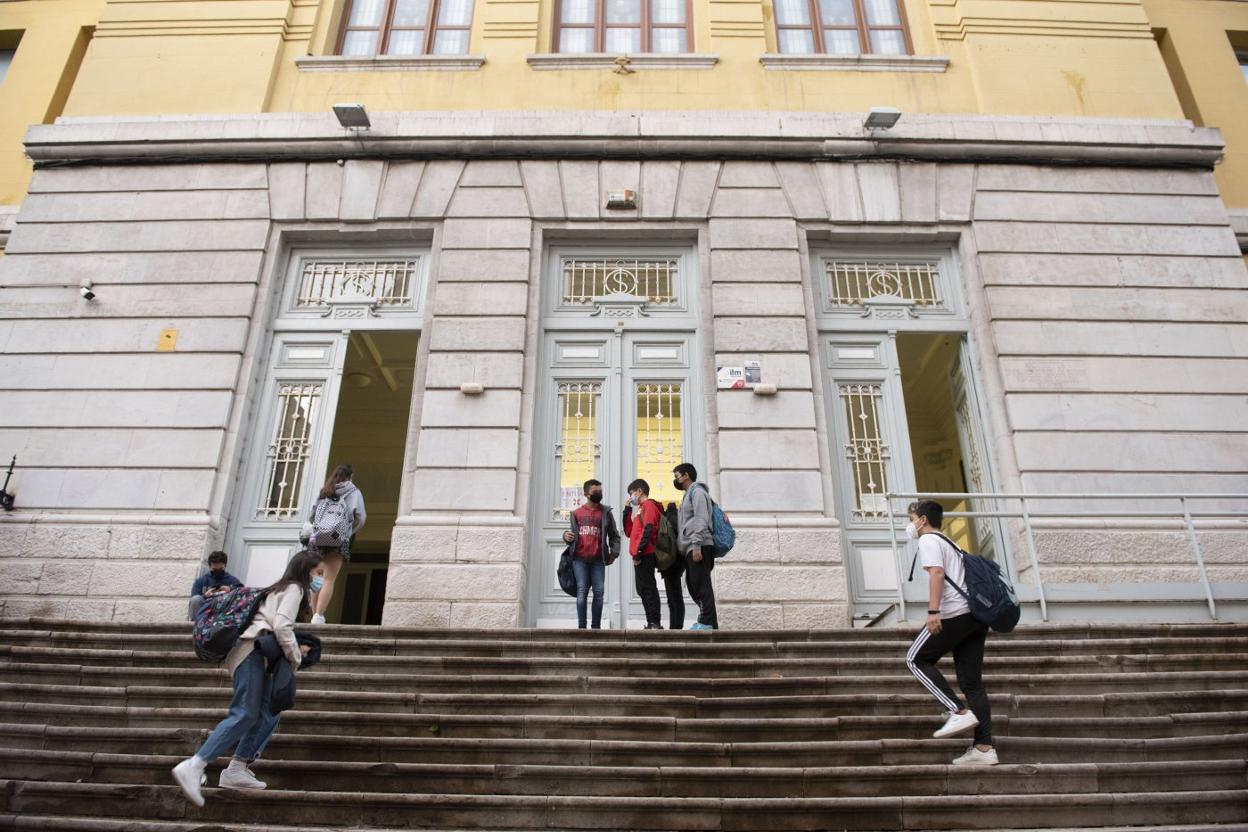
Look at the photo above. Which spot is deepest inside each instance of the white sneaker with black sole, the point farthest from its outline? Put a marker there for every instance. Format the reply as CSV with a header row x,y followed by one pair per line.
x,y
318,619
975,757
956,725
238,776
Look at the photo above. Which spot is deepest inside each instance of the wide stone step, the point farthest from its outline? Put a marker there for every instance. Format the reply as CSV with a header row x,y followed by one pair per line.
x,y
636,667
45,823
651,781
590,752
440,635
595,812
659,647
700,705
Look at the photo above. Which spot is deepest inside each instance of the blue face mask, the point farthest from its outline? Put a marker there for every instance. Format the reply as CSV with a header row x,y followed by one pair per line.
x,y
316,583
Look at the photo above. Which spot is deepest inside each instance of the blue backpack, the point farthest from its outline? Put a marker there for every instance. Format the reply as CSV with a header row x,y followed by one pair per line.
x,y
723,535
991,597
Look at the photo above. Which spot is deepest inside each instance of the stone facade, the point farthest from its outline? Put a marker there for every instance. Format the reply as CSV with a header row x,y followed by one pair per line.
x,y
1107,301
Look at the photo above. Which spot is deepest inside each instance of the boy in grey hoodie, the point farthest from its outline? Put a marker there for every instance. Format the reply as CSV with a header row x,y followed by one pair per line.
x,y
693,538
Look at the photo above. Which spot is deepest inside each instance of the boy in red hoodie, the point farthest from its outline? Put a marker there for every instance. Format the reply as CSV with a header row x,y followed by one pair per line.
x,y
641,524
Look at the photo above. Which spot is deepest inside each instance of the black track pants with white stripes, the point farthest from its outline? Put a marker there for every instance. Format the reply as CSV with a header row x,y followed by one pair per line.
x,y
964,635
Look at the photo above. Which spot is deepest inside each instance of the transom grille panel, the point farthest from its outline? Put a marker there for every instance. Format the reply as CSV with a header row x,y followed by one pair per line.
x,y
287,455
852,283
587,278
386,282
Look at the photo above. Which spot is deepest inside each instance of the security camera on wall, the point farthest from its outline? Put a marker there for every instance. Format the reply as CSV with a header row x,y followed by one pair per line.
x,y
84,289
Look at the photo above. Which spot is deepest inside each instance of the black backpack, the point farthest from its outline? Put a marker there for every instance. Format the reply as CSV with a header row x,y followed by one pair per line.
x,y
990,596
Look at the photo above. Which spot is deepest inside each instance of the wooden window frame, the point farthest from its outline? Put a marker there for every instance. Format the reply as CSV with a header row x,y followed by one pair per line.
x,y
386,28
864,29
599,27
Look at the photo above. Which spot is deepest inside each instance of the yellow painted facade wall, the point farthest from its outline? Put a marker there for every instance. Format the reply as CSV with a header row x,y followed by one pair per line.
x,y
1201,33
1007,57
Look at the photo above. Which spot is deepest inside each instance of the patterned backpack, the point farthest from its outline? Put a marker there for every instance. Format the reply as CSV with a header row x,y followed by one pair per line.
x,y
222,619
331,523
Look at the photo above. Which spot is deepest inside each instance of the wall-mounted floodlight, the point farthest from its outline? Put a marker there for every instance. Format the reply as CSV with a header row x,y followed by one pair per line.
x,y
352,116
881,118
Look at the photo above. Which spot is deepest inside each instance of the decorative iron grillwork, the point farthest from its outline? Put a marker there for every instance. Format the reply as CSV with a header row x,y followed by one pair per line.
x,y
287,456
659,440
578,448
385,282
854,283
866,449
587,278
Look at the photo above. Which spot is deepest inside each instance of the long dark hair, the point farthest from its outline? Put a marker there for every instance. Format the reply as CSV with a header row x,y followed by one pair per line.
x,y
342,473
299,573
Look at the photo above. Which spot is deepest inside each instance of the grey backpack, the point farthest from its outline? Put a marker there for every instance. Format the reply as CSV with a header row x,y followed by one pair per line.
x,y
331,524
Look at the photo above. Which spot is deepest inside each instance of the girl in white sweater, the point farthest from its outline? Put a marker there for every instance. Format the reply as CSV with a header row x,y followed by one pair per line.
x,y
248,725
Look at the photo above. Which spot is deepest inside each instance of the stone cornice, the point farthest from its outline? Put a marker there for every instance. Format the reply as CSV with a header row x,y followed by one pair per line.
x,y
625,135
856,63
1239,222
8,214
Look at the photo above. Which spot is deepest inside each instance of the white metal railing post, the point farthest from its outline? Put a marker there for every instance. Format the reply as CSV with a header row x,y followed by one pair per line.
x,y
892,541
1035,560
1200,561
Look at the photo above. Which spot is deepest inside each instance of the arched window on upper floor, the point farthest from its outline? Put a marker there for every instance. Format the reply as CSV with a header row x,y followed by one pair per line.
x,y
405,27
623,26
842,27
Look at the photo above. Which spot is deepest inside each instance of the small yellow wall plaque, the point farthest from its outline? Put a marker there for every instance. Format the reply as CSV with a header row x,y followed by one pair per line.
x,y
168,340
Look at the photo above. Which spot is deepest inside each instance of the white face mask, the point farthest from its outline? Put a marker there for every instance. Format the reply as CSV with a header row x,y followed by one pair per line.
x,y
911,532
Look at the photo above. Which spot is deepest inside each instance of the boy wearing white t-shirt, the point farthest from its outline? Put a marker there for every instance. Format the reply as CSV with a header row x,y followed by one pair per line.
x,y
950,627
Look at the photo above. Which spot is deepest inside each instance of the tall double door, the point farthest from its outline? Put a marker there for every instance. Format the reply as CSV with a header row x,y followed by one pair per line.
x,y
614,406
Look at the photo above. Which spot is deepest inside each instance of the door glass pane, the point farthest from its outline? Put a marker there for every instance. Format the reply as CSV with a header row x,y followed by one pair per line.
x,y
576,41
360,44
623,40
888,42
882,12
841,41
411,13
455,13
837,12
659,443
287,455
866,450
406,42
797,41
454,42
366,12
667,41
577,449
667,11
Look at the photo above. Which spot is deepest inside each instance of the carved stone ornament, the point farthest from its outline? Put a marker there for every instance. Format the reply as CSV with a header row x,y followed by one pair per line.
x,y
888,308
619,305
351,306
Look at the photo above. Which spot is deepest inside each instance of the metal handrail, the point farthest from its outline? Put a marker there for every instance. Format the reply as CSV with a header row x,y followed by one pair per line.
x,y
1185,513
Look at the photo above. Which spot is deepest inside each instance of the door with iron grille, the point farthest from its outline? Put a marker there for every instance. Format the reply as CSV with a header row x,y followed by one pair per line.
x,y
616,403
289,453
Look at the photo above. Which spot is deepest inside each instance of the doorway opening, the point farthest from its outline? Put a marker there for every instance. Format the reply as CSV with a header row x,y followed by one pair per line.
x,y
940,422
370,434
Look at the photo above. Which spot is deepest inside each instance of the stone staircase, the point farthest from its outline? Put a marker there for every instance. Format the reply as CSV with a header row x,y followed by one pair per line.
x,y
1105,727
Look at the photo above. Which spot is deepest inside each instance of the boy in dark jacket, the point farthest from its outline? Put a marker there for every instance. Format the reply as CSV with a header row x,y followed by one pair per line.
x,y
213,582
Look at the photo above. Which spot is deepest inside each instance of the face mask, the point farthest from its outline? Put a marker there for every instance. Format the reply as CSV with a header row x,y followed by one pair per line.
x,y
595,497
316,583
635,500
911,532
218,573
676,484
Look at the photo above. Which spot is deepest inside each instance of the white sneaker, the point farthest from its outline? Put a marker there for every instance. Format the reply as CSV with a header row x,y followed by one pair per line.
x,y
975,757
238,776
318,619
956,725
188,774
